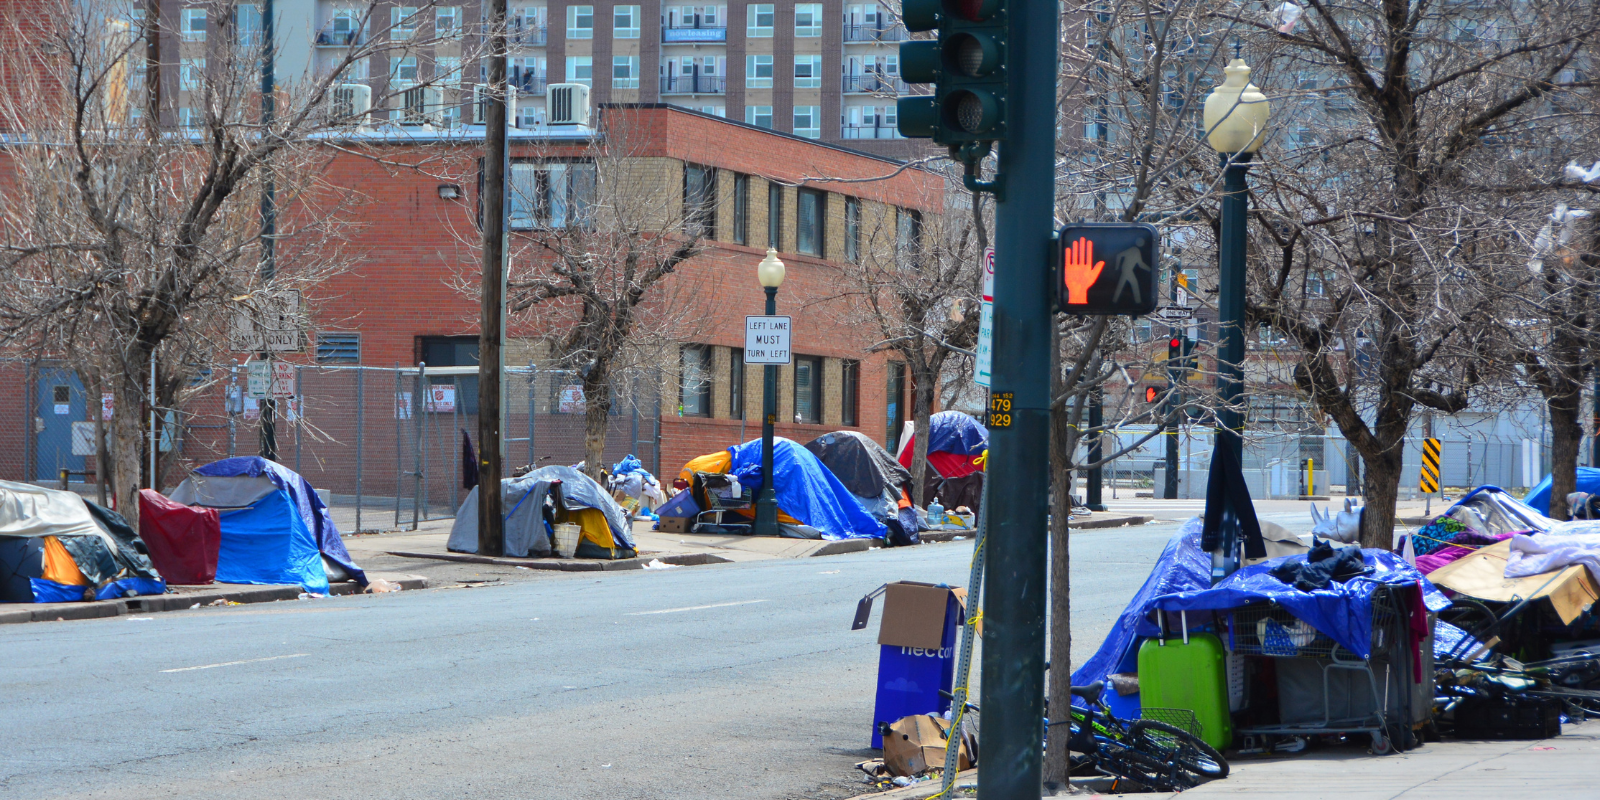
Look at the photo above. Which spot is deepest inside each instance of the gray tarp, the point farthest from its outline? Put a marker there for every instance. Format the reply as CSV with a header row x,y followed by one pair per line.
x,y
524,529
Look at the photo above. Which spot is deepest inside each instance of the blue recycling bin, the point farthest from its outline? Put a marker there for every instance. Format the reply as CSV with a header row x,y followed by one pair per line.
x,y
910,678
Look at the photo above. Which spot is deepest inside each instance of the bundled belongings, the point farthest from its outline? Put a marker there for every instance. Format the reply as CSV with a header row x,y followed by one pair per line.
x,y
537,501
812,503
274,528
57,547
630,480
956,442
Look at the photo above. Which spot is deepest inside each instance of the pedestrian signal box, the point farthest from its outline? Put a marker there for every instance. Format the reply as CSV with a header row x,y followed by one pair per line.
x,y
1107,268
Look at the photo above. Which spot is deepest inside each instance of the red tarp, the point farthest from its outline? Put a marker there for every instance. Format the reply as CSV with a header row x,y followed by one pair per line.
x,y
948,465
183,540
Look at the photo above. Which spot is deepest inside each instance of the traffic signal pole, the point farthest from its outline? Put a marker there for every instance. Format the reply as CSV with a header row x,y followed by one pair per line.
x,y
1015,589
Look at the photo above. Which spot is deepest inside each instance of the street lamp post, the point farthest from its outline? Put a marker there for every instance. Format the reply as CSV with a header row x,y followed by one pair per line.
x,y
1236,121
770,273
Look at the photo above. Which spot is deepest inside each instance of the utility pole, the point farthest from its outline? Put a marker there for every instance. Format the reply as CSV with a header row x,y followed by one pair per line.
x,y
491,325
269,213
1016,588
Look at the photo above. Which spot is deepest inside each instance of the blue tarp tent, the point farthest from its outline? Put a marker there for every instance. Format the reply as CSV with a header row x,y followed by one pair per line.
x,y
806,490
1539,498
275,529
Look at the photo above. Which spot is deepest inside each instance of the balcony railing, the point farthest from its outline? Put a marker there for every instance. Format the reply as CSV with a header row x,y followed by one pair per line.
x,y
874,33
694,84
873,83
528,82
693,31
869,132
340,38
529,35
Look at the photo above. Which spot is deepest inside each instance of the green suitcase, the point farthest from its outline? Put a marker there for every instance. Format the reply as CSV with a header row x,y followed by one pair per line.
x,y
1188,675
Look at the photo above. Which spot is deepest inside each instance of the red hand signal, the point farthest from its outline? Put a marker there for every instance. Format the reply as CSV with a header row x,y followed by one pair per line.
x,y
1081,271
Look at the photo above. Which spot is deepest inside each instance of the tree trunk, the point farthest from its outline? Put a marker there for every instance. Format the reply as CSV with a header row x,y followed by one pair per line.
x,y
1566,437
1062,443
129,438
596,417
1381,491
921,408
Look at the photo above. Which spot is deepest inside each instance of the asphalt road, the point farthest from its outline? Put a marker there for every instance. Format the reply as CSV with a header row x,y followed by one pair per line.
x,y
725,681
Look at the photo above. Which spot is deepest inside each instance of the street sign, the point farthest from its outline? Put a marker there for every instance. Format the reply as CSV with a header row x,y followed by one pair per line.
x,y
1430,466
258,380
282,380
1106,269
572,399
1175,313
442,398
268,323
766,340
986,321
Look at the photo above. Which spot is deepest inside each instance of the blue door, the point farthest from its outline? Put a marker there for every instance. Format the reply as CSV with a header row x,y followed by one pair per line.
x,y
60,402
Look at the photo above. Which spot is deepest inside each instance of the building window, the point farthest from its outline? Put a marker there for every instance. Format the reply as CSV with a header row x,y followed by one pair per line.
x,y
812,211
247,25
402,22
447,20
808,121
759,116
760,21
187,118
807,72
699,201
624,72
808,19
852,229
580,69
775,216
758,72
338,348
447,71
191,72
908,238
736,383
194,25
403,69
895,410
741,209
580,22
452,351
808,389
695,387
850,393
552,194
625,22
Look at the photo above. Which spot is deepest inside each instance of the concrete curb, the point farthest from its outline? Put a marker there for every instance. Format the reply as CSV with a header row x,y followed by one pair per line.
x,y
152,604
570,565
839,546
1110,522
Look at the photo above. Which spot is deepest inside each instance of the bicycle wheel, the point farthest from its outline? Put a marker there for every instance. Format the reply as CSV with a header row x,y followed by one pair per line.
x,y
1124,761
1172,744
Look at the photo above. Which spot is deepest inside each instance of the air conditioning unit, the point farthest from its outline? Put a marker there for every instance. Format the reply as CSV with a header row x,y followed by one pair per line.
x,y
567,104
420,105
352,101
480,105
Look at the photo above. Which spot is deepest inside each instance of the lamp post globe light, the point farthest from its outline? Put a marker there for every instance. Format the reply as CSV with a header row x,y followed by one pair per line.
x,y
770,273
1236,123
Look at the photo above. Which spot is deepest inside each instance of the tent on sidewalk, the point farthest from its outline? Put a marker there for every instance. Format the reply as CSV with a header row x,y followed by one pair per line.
x,y
573,497
1539,498
55,546
183,540
864,467
955,442
274,527
812,502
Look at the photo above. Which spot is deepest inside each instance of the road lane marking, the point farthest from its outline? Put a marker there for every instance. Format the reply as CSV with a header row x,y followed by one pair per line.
x,y
233,663
694,608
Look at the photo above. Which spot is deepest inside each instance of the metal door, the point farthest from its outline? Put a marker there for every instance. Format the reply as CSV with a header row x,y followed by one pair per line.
x,y
59,403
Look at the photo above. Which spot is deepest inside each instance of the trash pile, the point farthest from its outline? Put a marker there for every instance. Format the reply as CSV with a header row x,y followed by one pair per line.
x,y
841,485
635,488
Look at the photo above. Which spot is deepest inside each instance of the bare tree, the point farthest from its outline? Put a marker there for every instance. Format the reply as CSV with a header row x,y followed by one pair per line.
x,y
1378,221
132,233
603,237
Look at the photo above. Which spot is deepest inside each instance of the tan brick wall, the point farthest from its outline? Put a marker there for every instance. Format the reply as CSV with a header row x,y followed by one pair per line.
x,y
720,358
832,393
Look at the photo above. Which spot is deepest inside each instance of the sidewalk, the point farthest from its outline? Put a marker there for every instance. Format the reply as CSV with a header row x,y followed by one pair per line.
x,y
1562,767
185,597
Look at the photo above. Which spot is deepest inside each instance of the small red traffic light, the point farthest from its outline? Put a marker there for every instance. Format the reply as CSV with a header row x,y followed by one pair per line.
x,y
1175,343
1150,394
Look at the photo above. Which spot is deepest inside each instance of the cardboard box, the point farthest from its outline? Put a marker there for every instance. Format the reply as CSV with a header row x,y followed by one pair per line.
x,y
675,524
917,638
917,743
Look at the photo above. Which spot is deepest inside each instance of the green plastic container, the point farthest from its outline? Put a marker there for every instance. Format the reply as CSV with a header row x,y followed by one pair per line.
x,y
1190,676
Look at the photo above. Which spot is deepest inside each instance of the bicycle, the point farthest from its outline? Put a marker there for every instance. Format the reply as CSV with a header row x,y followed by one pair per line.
x,y
1154,754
